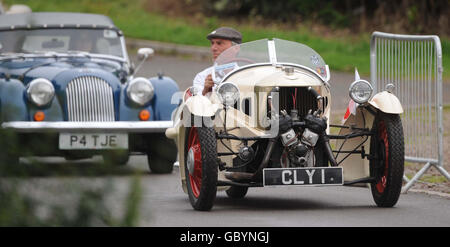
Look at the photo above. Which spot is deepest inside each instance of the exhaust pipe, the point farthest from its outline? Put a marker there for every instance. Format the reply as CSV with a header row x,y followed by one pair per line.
x,y
239,176
267,155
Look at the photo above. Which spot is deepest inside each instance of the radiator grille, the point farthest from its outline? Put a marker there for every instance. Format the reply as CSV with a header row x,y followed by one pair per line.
x,y
89,98
304,100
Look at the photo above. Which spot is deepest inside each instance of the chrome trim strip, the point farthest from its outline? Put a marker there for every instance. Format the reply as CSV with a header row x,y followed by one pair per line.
x,y
122,126
64,55
265,64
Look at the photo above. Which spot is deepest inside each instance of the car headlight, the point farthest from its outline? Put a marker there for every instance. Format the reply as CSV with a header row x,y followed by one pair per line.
x,y
40,91
228,93
140,91
360,91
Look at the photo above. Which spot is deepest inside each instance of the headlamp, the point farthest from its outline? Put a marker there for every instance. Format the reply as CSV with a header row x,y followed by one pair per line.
x,y
228,93
140,91
40,91
360,91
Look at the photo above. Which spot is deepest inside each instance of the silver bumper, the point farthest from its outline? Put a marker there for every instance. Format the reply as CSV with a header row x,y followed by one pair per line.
x,y
122,127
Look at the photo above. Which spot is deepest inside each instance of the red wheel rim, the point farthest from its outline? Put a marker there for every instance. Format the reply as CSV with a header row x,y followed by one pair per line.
x,y
382,135
195,175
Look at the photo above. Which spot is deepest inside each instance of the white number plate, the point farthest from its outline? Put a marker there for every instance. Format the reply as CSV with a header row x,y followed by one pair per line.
x,y
69,141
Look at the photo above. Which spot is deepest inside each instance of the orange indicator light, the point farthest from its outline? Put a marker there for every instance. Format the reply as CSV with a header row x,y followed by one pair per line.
x,y
144,115
39,116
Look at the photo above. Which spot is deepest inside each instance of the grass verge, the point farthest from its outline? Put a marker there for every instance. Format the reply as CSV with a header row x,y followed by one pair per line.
x,y
341,53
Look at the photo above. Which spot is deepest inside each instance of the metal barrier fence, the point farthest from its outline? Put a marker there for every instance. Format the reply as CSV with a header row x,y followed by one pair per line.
x,y
413,64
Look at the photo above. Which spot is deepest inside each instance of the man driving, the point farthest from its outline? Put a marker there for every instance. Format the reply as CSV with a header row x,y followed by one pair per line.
x,y
221,39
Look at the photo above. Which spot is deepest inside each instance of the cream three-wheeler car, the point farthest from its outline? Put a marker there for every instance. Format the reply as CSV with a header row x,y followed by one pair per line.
x,y
266,123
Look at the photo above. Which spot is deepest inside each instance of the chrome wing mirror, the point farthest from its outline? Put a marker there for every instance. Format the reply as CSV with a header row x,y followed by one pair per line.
x,y
143,54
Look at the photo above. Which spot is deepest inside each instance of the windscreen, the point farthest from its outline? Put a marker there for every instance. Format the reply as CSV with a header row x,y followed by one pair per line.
x,y
97,41
264,51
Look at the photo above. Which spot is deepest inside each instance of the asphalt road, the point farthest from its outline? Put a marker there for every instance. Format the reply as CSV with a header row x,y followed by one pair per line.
x,y
288,207
164,204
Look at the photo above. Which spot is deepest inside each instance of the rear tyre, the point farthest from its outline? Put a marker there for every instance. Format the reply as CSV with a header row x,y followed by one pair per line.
x,y
388,149
237,192
161,155
201,167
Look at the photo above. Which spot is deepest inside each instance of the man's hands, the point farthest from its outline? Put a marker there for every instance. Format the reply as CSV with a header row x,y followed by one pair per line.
x,y
209,84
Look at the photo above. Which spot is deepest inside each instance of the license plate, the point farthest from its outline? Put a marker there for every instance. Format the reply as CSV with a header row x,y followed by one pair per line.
x,y
68,141
303,176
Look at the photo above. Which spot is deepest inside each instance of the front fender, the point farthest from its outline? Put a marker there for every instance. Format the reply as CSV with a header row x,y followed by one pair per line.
x,y
201,106
165,89
13,106
198,106
387,103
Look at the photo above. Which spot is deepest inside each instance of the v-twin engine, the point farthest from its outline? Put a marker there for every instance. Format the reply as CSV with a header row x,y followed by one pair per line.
x,y
299,146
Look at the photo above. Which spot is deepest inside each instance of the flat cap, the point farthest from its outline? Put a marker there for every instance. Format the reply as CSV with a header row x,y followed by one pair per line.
x,y
226,33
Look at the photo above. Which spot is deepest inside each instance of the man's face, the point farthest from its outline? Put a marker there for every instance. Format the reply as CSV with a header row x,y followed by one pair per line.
x,y
218,46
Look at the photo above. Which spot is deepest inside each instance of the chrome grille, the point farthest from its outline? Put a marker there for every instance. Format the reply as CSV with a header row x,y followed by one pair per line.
x,y
304,102
89,98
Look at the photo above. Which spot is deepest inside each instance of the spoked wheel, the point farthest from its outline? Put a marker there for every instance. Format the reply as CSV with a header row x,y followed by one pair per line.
x,y
388,149
201,167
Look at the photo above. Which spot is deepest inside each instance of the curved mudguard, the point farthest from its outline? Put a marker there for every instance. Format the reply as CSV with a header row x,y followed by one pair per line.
x,y
160,107
197,106
201,106
14,106
165,89
387,103
355,166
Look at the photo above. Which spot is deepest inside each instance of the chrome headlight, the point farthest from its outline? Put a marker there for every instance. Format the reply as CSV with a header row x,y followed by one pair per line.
x,y
360,91
140,91
228,93
40,91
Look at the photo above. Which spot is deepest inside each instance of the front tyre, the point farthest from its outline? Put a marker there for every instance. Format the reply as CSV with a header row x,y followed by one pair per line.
x,y
201,167
116,157
387,149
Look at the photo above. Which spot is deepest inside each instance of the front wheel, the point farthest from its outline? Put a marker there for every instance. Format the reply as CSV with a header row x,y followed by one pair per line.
x,y
387,149
201,167
116,157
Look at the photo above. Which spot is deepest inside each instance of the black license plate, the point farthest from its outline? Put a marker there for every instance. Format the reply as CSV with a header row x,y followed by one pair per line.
x,y
303,176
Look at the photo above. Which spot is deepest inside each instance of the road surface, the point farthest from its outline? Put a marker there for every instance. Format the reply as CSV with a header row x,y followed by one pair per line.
x,y
164,203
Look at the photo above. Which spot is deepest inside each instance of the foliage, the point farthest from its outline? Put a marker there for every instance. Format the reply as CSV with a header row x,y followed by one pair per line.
x,y
75,207
188,22
415,17
28,200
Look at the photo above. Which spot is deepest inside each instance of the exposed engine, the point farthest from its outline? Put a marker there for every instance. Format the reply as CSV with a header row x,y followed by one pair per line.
x,y
299,145
299,142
